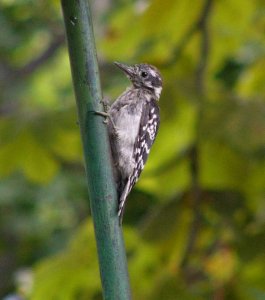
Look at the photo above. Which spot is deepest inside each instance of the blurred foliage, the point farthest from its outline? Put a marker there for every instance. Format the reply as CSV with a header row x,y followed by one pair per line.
x,y
194,224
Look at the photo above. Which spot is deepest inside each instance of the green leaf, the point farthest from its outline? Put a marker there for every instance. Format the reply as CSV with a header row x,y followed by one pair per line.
x,y
153,31
221,166
26,155
77,266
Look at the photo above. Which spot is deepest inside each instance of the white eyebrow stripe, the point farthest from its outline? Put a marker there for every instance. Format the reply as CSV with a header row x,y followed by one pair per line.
x,y
153,73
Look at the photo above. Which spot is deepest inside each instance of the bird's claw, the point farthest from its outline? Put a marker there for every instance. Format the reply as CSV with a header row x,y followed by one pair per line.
x,y
106,104
103,114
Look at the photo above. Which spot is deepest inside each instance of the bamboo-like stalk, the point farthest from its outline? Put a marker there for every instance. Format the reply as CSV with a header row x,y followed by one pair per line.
x,y
102,192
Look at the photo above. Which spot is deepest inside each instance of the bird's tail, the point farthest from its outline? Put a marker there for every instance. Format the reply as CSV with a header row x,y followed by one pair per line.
x,y
122,200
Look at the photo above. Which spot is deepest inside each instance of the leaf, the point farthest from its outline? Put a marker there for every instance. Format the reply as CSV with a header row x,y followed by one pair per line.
x,y
67,144
213,265
153,31
251,82
77,266
227,32
221,166
241,125
25,154
167,182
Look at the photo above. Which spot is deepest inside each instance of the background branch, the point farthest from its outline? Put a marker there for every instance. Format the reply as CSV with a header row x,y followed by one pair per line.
x,y
196,191
202,65
9,73
49,52
199,25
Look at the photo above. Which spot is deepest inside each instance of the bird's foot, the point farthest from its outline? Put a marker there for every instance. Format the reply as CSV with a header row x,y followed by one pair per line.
x,y
103,114
106,104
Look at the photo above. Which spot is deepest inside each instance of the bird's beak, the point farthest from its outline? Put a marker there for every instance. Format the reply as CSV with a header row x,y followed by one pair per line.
x,y
128,70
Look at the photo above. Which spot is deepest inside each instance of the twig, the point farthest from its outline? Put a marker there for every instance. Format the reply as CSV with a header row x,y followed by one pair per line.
x,y
196,192
37,62
203,27
198,25
10,73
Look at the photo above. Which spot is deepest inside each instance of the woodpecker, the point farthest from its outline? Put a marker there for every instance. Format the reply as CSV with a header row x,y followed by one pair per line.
x,y
132,126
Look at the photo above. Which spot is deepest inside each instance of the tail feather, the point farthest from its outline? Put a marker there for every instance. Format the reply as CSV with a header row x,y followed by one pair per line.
x,y
122,200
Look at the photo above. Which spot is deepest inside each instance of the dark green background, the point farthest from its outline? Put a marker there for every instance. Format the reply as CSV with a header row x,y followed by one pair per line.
x,y
194,223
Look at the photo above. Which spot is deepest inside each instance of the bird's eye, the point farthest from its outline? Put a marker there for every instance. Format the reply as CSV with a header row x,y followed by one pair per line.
x,y
144,74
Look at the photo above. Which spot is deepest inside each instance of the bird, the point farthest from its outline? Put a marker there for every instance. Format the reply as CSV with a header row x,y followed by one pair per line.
x,y
133,123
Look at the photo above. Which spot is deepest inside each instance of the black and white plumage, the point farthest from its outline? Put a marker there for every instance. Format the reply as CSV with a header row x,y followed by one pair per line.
x,y
133,125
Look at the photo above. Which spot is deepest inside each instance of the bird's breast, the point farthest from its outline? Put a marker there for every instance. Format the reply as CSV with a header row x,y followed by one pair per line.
x,y
127,123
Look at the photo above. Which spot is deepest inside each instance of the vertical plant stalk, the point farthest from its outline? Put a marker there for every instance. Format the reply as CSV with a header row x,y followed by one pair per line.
x,y
102,191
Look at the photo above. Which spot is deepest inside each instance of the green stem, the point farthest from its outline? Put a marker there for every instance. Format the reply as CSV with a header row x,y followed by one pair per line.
x,y
102,191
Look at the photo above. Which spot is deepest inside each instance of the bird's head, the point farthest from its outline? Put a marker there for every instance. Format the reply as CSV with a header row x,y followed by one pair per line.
x,y
143,76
